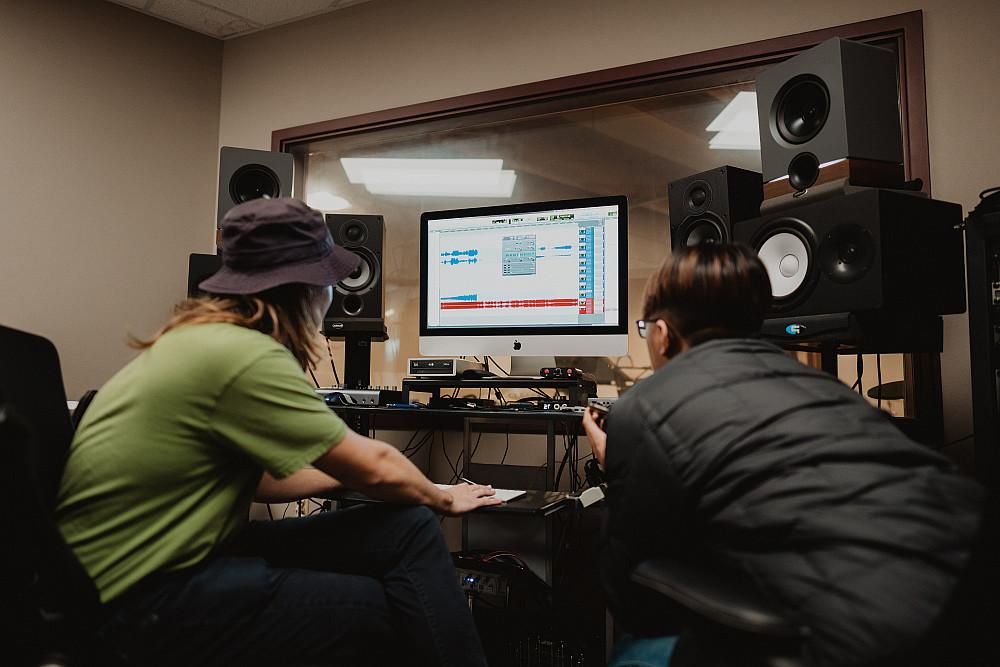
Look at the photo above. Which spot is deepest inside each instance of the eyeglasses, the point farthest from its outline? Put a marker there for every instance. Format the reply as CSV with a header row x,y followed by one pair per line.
x,y
641,326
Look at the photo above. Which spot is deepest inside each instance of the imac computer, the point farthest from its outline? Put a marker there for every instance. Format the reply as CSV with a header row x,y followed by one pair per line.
x,y
525,279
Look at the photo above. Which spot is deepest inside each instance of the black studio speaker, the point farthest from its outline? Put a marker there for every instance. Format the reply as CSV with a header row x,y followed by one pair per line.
x,y
201,267
871,250
357,299
836,100
246,174
704,206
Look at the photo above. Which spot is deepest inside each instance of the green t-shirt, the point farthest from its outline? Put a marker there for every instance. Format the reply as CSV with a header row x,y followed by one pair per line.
x,y
165,464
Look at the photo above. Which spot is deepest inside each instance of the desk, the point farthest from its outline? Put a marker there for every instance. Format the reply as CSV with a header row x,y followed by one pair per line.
x,y
366,419
579,389
552,534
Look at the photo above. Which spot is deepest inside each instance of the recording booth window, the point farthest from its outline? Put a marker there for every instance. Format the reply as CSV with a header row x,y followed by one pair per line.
x,y
625,132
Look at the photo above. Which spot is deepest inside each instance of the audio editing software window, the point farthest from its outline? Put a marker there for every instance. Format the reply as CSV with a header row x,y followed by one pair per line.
x,y
549,268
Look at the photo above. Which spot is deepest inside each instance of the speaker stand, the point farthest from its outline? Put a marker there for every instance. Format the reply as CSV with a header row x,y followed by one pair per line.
x,y
358,357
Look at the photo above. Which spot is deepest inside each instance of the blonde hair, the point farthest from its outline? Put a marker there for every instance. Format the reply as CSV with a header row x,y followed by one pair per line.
x,y
283,312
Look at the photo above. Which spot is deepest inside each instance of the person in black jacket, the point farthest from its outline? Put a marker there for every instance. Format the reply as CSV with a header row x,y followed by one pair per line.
x,y
737,455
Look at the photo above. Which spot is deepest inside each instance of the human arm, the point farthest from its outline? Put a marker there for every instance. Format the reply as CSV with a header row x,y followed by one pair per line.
x,y
380,471
304,483
593,424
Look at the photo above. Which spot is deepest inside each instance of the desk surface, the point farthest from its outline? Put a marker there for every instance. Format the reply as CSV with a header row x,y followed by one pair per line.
x,y
539,503
486,420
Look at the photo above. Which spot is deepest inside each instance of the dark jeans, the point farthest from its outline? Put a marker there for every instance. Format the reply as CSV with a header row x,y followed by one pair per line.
x,y
366,586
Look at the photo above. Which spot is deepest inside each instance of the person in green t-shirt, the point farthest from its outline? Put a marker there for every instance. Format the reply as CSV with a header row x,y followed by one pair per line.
x,y
216,412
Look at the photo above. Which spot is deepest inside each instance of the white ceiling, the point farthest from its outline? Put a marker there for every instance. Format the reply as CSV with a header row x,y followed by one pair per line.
x,y
225,19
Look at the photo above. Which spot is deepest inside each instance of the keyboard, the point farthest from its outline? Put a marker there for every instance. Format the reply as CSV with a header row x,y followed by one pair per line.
x,y
505,495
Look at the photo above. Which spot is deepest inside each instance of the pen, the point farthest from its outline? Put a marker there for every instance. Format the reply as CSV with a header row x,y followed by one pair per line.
x,y
466,480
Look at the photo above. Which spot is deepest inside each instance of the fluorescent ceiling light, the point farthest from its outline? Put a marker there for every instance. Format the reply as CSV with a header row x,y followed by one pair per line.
x,y
441,177
326,201
736,126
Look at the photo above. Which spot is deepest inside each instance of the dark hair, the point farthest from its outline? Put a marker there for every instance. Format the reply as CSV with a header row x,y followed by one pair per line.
x,y
281,312
709,291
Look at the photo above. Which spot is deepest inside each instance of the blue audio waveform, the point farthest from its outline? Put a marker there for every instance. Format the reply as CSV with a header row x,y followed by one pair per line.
x,y
461,297
563,247
454,260
458,253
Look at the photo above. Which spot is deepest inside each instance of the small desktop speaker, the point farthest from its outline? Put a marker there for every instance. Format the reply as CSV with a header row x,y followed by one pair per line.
x,y
246,174
357,299
201,267
837,100
704,206
866,251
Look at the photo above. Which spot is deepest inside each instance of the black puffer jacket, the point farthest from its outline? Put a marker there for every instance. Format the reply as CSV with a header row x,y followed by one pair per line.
x,y
735,453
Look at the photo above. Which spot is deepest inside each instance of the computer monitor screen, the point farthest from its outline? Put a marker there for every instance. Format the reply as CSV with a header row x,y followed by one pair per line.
x,y
525,279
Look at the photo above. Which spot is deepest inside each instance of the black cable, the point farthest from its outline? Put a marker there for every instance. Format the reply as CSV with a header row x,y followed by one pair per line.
x,y
313,375
454,470
332,365
499,367
269,514
505,449
562,465
878,365
861,371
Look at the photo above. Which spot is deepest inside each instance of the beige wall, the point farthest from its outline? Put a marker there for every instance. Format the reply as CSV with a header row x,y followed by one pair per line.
x,y
389,53
108,160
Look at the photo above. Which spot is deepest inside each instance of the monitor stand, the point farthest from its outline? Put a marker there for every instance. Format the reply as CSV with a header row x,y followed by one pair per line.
x,y
530,366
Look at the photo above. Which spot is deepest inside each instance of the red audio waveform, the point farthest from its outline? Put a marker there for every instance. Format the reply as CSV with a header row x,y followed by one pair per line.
x,y
517,303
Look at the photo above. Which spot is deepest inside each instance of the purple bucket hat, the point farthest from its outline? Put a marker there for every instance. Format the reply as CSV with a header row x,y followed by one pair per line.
x,y
271,242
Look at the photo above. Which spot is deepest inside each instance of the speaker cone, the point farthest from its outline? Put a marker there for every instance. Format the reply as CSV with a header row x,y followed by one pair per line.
x,y
803,171
354,232
697,196
847,253
253,181
352,304
786,255
702,229
801,108
362,280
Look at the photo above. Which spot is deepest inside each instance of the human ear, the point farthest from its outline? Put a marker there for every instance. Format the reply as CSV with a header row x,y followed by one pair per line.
x,y
663,339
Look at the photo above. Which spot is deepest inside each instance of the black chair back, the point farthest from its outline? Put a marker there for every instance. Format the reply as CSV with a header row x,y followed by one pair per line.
x,y
56,604
31,385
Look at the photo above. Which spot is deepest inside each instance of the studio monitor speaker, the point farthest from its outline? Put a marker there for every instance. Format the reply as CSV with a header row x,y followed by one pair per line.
x,y
837,100
704,206
201,267
246,174
871,250
357,299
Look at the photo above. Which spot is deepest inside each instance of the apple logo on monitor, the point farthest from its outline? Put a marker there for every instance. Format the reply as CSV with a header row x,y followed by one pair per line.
x,y
517,344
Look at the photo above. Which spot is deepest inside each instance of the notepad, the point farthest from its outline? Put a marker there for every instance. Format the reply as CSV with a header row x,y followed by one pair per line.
x,y
505,495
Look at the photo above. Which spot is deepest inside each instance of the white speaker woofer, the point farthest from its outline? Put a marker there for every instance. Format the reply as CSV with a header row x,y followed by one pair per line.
x,y
362,277
786,257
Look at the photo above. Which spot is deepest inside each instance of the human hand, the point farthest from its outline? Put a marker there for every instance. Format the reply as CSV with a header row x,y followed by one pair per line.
x,y
467,497
593,424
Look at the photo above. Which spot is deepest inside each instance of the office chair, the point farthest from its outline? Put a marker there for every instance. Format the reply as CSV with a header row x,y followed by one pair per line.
x,y
736,625
56,606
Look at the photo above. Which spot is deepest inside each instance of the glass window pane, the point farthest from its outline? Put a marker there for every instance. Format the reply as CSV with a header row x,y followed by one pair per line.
x,y
631,147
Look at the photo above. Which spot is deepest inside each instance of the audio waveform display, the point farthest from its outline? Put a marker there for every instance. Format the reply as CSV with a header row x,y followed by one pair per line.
x,y
459,253
455,260
461,297
515,303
